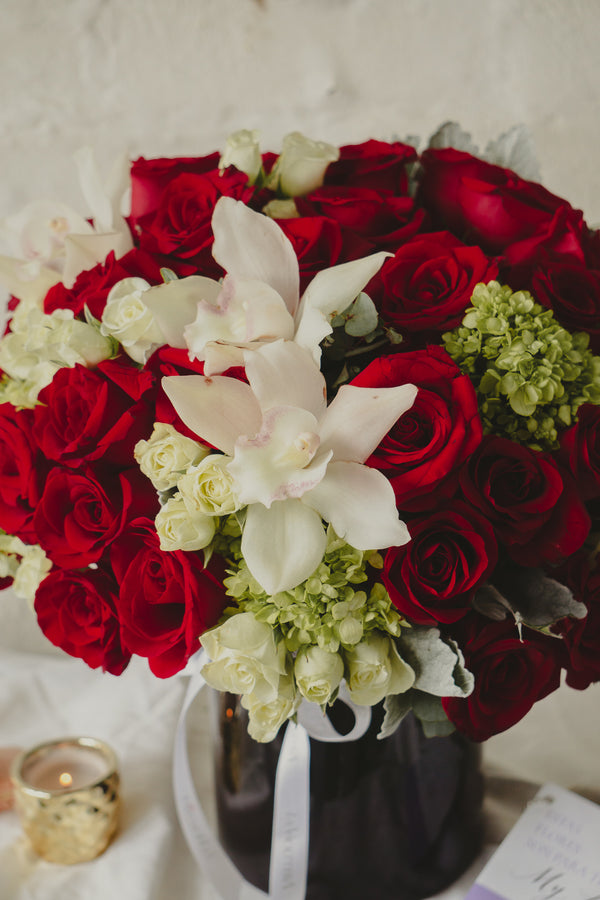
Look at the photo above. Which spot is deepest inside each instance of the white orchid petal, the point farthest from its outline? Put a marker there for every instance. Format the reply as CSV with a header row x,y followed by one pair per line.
x,y
84,251
251,246
218,357
283,374
174,305
283,545
281,461
360,505
13,275
330,292
358,418
217,409
93,189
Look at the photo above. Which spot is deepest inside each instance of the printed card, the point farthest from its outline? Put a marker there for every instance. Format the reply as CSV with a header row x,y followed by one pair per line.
x,y
552,853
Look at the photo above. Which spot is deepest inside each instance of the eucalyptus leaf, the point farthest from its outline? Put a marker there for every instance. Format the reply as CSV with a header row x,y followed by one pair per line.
x,y
361,316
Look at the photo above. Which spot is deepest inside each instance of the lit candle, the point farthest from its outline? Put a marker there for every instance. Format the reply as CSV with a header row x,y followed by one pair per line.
x,y
67,794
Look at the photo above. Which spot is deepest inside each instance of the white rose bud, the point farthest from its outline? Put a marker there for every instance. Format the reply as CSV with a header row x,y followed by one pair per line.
x,y
301,165
127,318
242,150
375,670
178,530
265,719
318,673
34,567
167,455
208,487
245,658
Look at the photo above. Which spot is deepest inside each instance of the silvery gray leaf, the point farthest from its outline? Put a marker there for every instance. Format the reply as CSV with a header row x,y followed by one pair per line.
x,y
450,134
361,316
430,712
438,667
530,595
515,150
396,707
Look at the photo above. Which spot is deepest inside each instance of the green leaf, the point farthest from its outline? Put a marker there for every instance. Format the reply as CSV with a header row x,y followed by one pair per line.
x,y
168,275
361,316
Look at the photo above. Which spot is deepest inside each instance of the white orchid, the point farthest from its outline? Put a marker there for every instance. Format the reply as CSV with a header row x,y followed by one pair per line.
x,y
295,460
50,242
259,299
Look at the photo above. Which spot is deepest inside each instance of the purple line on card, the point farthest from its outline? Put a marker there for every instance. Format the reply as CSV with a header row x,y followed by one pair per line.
x,y
478,892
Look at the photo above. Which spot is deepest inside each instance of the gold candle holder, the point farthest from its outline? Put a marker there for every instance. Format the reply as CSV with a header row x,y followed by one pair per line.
x,y
67,795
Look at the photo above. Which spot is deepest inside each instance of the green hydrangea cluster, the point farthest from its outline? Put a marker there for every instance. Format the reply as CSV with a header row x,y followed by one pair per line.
x,y
326,610
530,374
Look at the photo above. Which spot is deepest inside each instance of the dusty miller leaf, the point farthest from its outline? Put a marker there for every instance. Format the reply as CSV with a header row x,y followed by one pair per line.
x,y
438,666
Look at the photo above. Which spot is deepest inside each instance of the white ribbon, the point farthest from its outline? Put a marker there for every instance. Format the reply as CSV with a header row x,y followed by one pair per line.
x,y
291,809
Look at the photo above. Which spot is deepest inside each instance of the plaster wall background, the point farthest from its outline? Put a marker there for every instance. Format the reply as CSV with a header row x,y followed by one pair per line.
x,y
175,77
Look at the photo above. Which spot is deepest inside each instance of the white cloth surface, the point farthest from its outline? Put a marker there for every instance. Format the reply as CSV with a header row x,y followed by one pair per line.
x,y
46,695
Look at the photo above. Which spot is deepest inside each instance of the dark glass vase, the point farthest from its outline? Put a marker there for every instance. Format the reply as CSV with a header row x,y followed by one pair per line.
x,y
392,819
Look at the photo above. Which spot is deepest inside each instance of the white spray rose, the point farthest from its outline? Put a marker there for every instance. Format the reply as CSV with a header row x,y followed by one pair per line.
x,y
34,567
177,530
208,487
242,150
167,455
265,719
318,673
245,658
301,165
375,670
127,318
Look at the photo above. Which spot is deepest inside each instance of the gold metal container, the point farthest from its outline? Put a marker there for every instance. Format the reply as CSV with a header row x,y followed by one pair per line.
x,y
67,795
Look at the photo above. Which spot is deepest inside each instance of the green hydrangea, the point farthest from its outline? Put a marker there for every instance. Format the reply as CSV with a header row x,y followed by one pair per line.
x,y
530,374
327,609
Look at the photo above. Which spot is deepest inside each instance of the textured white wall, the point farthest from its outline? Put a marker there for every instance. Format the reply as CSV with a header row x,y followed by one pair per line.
x,y
176,76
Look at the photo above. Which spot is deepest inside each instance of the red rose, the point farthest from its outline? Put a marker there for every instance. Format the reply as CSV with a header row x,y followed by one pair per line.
x,y
83,416
573,293
20,472
92,286
494,207
511,674
385,220
77,611
581,637
319,243
423,451
80,513
433,577
377,165
166,600
181,225
429,282
149,178
580,446
530,501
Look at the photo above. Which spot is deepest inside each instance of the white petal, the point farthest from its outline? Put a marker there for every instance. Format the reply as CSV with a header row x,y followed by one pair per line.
x,y
358,418
243,311
174,304
283,374
360,505
330,292
250,245
217,409
84,251
282,461
93,189
283,545
13,275
218,357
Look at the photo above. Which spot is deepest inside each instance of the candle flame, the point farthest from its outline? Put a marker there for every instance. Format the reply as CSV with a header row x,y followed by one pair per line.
x,y
66,779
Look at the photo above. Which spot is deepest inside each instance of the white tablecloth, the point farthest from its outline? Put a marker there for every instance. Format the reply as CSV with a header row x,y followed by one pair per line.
x,y
45,695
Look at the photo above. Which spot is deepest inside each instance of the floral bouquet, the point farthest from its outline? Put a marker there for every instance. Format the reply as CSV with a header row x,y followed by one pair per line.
x,y
333,414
